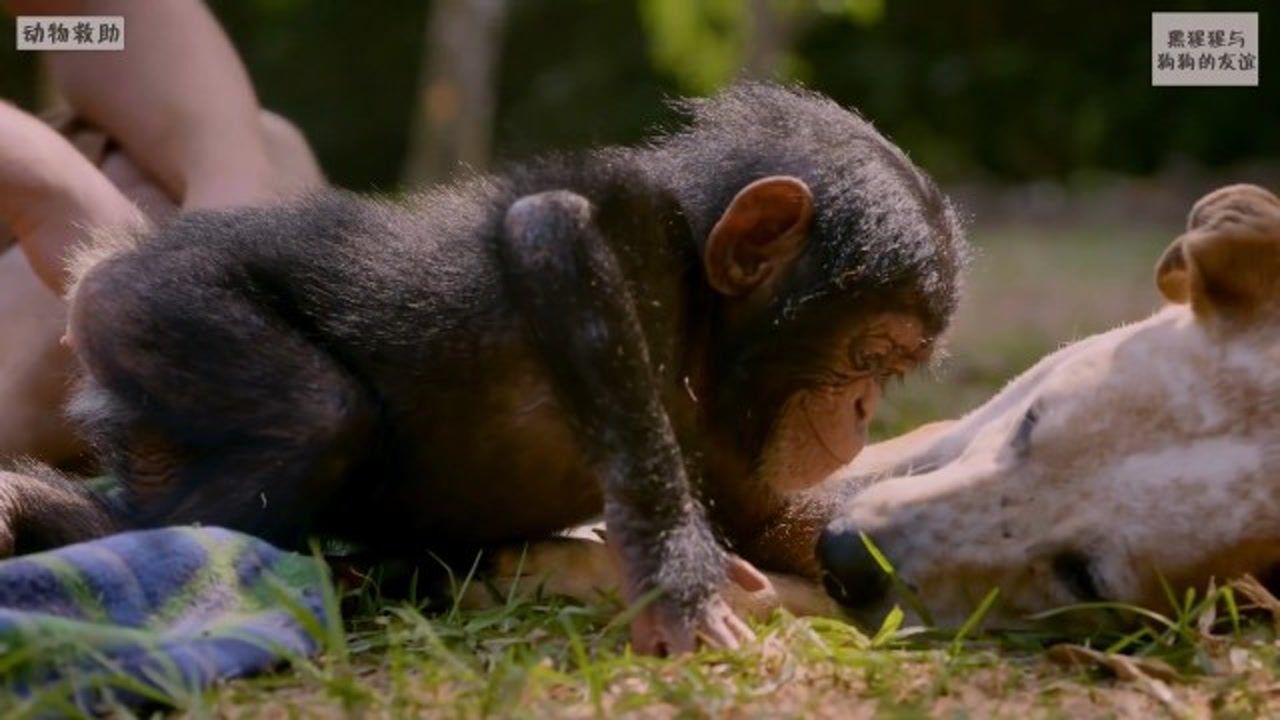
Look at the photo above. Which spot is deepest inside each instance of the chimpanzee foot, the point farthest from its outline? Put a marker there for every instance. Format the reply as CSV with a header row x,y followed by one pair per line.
x,y
39,513
10,494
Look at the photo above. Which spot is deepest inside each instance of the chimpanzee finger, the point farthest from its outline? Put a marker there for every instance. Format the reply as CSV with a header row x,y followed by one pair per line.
x,y
740,628
645,637
644,642
745,575
716,634
722,628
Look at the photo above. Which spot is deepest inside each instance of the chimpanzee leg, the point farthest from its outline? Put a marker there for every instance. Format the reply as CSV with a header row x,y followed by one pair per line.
x,y
226,414
564,278
41,509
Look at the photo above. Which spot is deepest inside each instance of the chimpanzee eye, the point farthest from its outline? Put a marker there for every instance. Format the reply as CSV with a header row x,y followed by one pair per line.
x,y
864,361
889,375
869,357
1022,436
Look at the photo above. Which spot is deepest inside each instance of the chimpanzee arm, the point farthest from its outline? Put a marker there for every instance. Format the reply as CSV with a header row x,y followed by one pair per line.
x,y
567,283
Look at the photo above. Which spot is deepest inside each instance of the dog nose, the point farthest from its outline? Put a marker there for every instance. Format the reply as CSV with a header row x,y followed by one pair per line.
x,y
850,572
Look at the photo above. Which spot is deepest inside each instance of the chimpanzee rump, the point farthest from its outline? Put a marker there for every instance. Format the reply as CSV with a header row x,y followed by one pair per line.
x,y
674,335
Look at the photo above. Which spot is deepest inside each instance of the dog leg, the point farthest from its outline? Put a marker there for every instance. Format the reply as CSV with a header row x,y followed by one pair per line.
x,y
582,568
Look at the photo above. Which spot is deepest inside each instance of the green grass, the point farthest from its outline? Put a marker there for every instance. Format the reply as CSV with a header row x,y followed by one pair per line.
x,y
536,657
1215,654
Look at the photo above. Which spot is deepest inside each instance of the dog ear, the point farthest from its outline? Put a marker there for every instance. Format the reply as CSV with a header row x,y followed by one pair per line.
x,y
1171,274
1227,263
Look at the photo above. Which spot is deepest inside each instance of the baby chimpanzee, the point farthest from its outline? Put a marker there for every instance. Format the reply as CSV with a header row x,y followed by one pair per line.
x,y
676,335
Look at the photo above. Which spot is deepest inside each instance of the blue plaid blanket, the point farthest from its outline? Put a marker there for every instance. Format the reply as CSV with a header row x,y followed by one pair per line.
x,y
149,616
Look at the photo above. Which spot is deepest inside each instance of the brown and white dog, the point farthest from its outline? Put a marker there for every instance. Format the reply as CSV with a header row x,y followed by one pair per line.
x,y
1146,455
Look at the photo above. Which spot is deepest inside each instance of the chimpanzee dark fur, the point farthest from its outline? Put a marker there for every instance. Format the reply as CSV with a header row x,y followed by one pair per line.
x,y
504,357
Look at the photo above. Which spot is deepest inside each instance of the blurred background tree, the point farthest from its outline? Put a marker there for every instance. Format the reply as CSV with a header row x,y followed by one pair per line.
x,y
1002,90
453,120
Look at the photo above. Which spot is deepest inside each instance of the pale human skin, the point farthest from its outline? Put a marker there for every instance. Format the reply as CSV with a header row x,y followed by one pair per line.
x,y
48,194
190,134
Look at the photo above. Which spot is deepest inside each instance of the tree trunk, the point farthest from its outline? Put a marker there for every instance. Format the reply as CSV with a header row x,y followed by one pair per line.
x,y
767,40
453,118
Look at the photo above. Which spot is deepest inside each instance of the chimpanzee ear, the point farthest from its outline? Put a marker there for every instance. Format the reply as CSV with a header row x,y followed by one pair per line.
x,y
761,232
1227,264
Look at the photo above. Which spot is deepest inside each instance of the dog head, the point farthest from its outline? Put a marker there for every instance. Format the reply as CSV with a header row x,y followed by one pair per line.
x,y
1144,457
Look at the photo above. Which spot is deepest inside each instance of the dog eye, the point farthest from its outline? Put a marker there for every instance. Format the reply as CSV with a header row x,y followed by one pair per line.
x,y
1022,436
1075,571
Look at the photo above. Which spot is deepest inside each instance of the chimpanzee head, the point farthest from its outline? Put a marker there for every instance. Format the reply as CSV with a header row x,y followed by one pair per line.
x,y
834,263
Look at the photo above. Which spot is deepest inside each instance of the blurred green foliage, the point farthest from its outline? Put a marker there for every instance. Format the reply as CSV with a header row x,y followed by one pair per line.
x,y
700,43
704,43
1050,88
1005,88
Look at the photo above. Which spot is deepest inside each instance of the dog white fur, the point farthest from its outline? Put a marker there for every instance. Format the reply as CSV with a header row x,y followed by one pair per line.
x,y
1149,454
1146,455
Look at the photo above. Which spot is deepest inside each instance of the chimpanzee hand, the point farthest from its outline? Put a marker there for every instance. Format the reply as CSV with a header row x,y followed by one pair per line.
x,y
664,627
745,575
667,627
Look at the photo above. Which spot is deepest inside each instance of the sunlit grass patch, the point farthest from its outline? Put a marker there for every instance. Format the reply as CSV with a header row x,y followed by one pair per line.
x,y
539,656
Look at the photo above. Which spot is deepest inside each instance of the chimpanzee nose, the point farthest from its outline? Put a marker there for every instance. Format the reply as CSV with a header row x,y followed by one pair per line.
x,y
850,572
